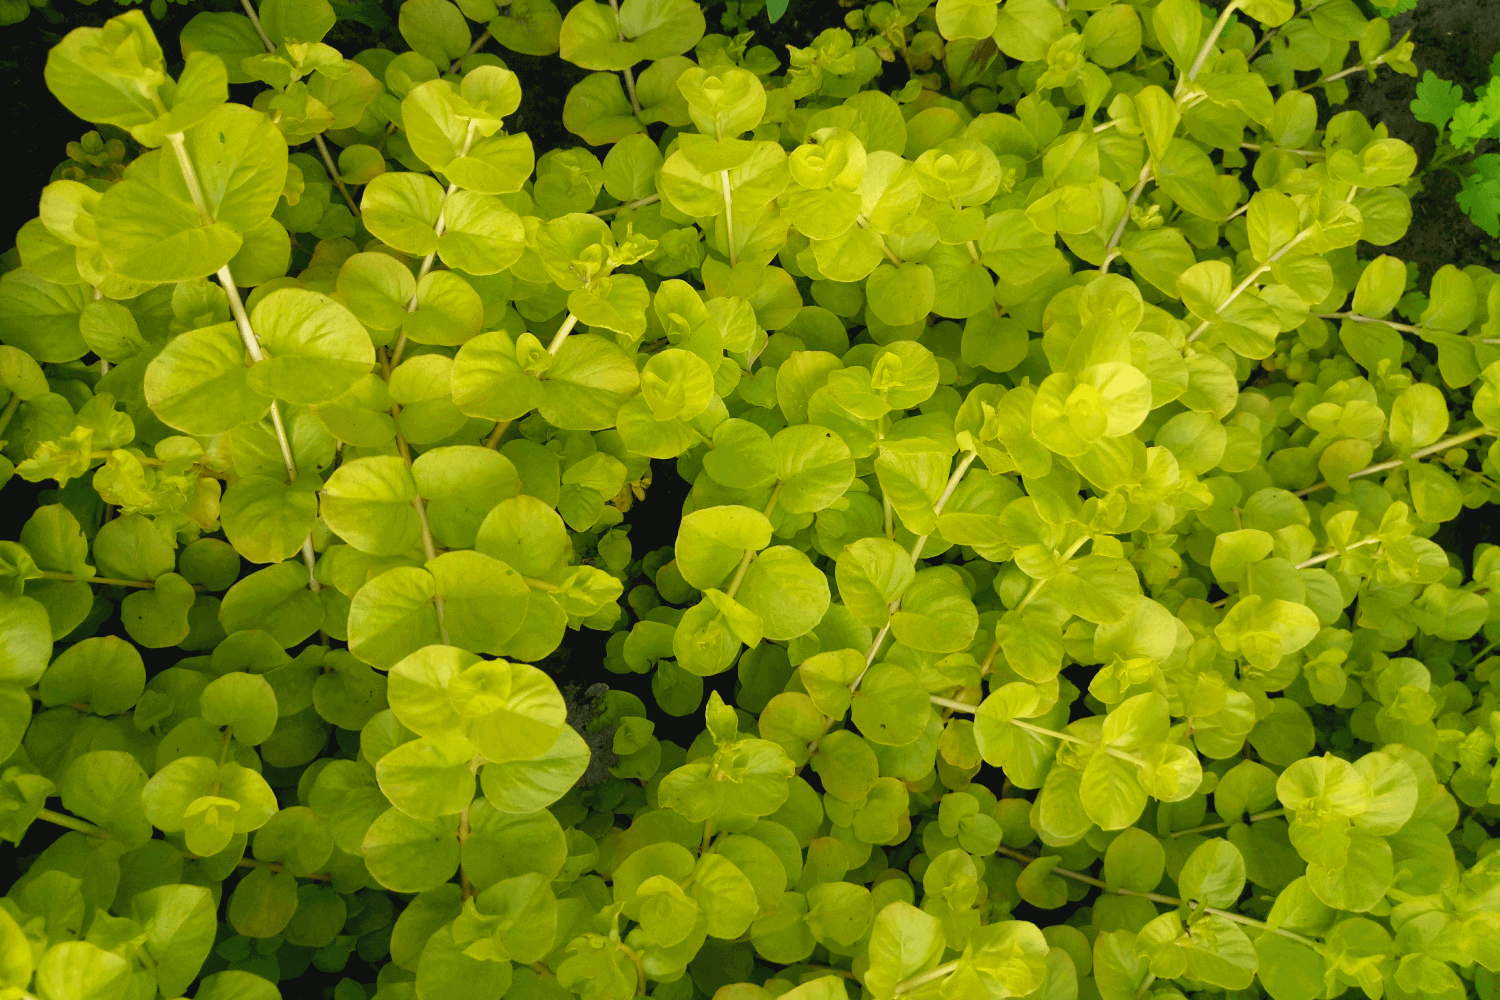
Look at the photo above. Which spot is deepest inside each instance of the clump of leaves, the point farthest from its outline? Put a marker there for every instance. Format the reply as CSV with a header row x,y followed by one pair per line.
x,y
1462,126
1064,510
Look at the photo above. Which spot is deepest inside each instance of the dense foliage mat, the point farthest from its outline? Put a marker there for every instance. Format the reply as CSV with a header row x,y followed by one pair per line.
x,y
1063,495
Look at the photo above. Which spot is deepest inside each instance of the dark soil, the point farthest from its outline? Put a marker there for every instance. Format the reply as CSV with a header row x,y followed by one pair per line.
x,y
1455,39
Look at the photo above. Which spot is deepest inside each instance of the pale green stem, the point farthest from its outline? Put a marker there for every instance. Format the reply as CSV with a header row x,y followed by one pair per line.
x,y
1312,154
1396,463
635,104
650,199
916,554
963,706
493,441
439,228
247,333
864,223
63,819
1213,36
734,257
464,829
1254,818
277,866
9,411
1119,233
749,556
1036,588
907,985
1357,318
562,334
1318,560
104,581
333,170
1159,898
1250,280
484,36
1340,75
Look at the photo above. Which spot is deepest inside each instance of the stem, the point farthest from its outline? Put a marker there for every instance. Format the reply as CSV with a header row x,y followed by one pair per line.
x,y
103,364
1317,560
333,170
734,257
1159,898
1257,817
846,973
493,441
989,659
429,549
63,819
640,968
916,554
9,411
277,866
475,763
143,459
957,706
1255,147
1250,279
255,20
1419,454
226,279
439,227
963,706
1264,39
864,223
484,36
650,199
942,501
1357,318
252,347
1036,588
749,556
636,107
1213,36
1114,241
562,334
907,985
105,581
1338,76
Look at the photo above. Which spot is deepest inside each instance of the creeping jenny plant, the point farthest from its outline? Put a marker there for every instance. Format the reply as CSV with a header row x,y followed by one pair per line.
x,y
1066,510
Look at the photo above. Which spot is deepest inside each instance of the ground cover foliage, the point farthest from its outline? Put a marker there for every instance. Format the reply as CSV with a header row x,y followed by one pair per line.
x,y
1062,493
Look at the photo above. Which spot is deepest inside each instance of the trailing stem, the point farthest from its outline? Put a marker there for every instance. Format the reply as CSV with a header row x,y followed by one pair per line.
x,y
1159,898
1396,463
105,581
333,170
629,76
561,336
1240,289
1135,195
1213,37
439,227
247,334
916,555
